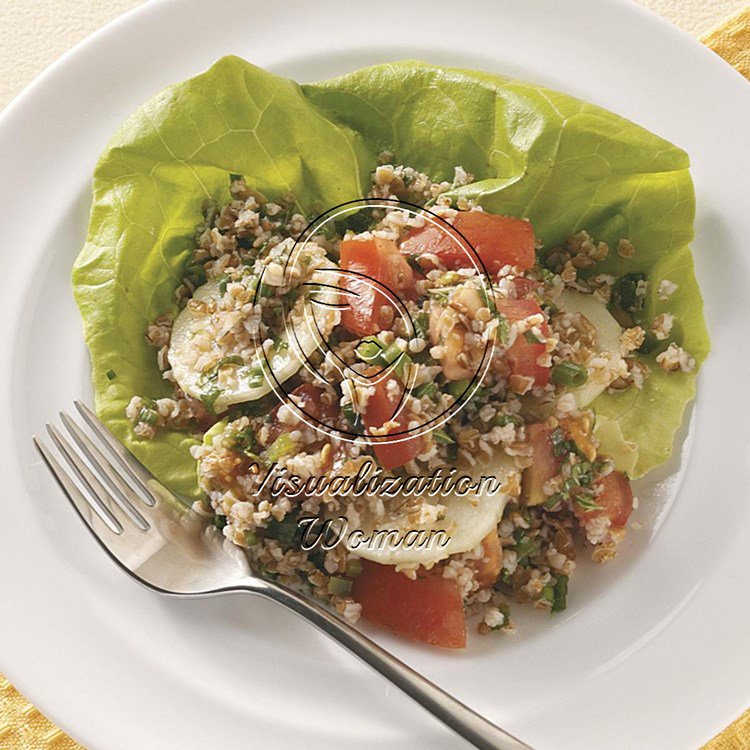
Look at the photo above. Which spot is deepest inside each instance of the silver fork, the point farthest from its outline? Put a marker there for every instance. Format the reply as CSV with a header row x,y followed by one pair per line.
x,y
167,547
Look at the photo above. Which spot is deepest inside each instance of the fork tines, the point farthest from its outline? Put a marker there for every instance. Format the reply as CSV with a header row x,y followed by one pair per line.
x,y
83,454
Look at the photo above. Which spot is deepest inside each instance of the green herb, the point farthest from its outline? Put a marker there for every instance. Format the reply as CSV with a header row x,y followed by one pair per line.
x,y
526,549
195,273
220,521
625,292
503,329
282,446
586,501
413,261
501,420
458,388
371,350
349,414
353,567
428,389
223,282
111,374
283,532
650,342
245,441
570,374
441,437
440,295
561,446
339,586
560,593
532,338
422,325
251,538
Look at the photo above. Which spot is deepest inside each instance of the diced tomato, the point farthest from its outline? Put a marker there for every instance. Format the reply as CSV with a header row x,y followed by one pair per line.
x,y
381,262
450,248
381,407
498,240
523,355
545,464
616,501
487,568
524,287
427,610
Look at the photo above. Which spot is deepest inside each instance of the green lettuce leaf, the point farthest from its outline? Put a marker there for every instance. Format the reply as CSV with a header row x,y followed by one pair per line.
x,y
563,163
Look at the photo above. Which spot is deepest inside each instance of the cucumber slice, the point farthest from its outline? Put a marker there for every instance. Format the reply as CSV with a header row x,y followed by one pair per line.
x,y
607,342
466,521
240,377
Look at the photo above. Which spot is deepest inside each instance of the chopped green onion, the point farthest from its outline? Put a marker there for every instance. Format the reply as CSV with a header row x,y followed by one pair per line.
x,y
339,586
553,500
392,353
223,282
148,416
282,446
570,374
251,538
532,338
209,398
111,374
441,437
369,349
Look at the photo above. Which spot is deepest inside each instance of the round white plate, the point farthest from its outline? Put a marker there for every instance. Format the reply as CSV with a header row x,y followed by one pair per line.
x,y
653,650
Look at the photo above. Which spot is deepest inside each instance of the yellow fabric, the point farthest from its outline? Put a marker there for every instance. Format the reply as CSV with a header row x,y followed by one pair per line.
x,y
731,40
22,727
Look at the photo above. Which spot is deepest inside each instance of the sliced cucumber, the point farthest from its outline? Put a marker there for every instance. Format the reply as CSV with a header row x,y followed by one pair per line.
x,y
607,342
240,378
466,521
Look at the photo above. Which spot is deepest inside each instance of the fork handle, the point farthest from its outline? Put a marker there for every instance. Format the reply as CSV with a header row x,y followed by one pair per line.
x,y
460,718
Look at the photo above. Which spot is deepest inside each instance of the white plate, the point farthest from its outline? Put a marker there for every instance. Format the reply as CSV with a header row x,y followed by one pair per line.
x,y
653,651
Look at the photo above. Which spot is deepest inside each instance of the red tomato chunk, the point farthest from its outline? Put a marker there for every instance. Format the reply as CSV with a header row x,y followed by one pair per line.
x,y
369,310
381,408
523,355
428,610
498,240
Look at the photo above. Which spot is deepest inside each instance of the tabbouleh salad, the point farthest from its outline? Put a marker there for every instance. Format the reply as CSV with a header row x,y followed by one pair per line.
x,y
559,332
